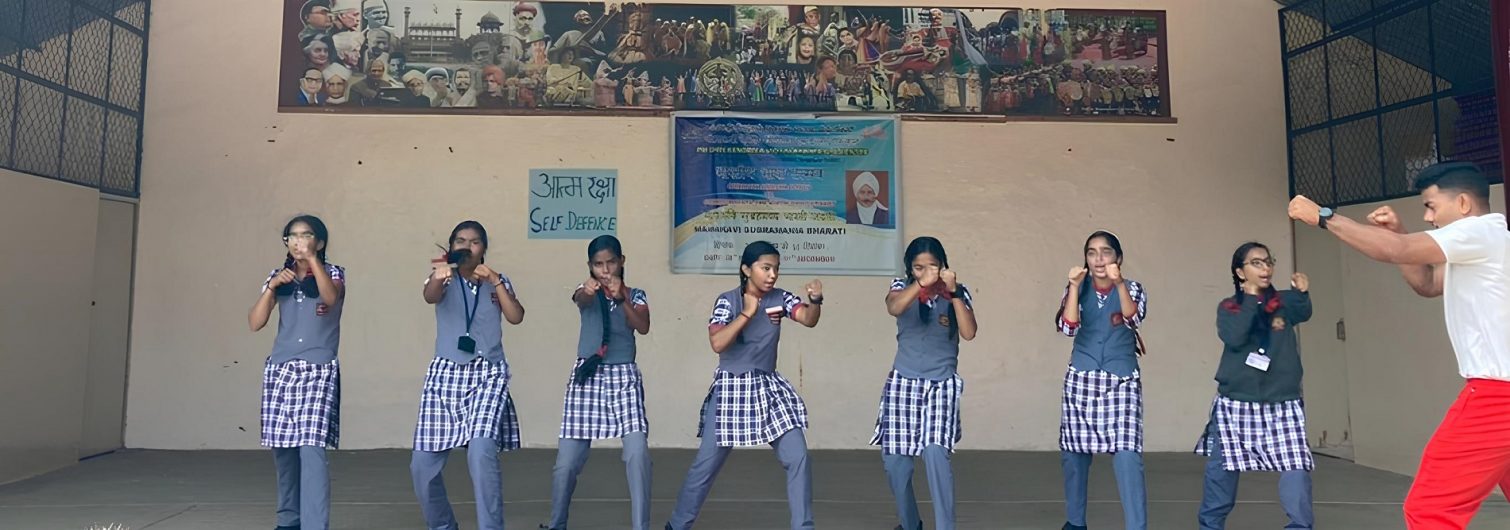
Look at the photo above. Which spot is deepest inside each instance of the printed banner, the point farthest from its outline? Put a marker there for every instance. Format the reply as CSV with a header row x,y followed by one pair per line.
x,y
823,190
573,203
493,56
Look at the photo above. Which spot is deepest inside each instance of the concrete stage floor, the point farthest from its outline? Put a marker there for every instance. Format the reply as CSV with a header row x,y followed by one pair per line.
x,y
233,490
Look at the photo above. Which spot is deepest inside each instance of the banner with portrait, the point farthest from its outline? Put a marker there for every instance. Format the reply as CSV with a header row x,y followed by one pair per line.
x,y
824,191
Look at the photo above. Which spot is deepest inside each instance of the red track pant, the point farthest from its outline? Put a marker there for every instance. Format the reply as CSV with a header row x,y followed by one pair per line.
x,y
1467,456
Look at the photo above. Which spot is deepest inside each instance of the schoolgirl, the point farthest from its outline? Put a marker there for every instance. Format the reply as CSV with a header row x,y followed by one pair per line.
x,y
465,400
605,393
920,406
749,403
1258,421
301,380
1102,406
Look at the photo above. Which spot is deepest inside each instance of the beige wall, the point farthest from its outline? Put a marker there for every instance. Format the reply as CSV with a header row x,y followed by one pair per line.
x,y
1317,254
46,282
1013,202
1401,372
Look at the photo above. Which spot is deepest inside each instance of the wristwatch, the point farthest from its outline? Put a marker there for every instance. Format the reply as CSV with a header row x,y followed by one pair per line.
x,y
1325,214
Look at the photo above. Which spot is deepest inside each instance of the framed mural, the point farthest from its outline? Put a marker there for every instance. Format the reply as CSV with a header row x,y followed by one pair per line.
x,y
505,57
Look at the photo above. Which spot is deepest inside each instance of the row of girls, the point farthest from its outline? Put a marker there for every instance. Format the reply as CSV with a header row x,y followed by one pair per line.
x,y
1256,421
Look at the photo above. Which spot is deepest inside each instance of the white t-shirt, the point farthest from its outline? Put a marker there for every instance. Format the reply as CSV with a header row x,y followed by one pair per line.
x,y
1476,294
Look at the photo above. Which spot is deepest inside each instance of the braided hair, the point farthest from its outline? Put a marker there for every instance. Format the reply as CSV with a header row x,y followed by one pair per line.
x,y
753,252
590,365
930,246
1239,258
321,243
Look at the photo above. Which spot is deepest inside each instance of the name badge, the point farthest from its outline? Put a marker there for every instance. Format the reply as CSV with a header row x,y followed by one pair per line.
x,y
467,344
1259,360
775,313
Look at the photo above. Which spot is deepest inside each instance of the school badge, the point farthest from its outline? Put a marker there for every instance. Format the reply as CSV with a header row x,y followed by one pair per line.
x,y
721,81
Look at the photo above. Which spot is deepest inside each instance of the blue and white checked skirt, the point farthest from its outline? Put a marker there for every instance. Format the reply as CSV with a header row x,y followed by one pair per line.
x,y
1260,436
916,413
609,405
1101,412
753,408
461,402
301,404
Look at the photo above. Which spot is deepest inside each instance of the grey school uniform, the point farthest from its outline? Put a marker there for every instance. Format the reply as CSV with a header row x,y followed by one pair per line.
x,y
920,406
750,404
610,404
301,401
465,403
1102,405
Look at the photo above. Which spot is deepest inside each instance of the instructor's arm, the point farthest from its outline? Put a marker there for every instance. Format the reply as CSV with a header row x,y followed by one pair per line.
x,y
1375,242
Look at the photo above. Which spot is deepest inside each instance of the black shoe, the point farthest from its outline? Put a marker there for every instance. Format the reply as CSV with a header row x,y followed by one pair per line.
x,y
544,526
919,527
286,527
1068,526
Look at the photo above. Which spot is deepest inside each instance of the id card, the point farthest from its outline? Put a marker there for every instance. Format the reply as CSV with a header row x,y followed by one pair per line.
x,y
467,344
1259,360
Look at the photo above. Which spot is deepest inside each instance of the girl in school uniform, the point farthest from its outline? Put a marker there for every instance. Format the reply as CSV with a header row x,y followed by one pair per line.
x,y
1258,420
749,403
301,381
605,393
465,401
1102,407
920,412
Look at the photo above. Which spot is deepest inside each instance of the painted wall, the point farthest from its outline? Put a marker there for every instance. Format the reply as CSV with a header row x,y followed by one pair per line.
x,y
1013,203
46,281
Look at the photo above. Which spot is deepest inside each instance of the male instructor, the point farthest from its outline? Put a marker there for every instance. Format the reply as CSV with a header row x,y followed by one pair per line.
x,y
1466,260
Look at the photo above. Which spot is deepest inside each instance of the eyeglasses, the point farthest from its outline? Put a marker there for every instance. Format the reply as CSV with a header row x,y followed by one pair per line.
x,y
314,79
1262,263
299,236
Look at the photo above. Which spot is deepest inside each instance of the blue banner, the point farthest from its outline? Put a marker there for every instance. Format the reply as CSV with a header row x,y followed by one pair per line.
x,y
573,203
823,190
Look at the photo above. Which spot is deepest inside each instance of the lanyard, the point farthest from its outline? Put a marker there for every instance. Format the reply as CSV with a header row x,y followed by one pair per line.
x,y
470,312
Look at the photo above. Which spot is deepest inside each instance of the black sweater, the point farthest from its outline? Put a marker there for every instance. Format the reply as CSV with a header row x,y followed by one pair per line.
x,y
1241,326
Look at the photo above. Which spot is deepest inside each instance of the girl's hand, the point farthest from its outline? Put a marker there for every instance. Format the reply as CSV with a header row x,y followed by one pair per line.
x,y
482,272
815,290
284,276
1077,274
440,270
1300,282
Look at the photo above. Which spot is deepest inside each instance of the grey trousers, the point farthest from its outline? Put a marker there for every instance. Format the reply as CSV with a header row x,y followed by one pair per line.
x,y
487,485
